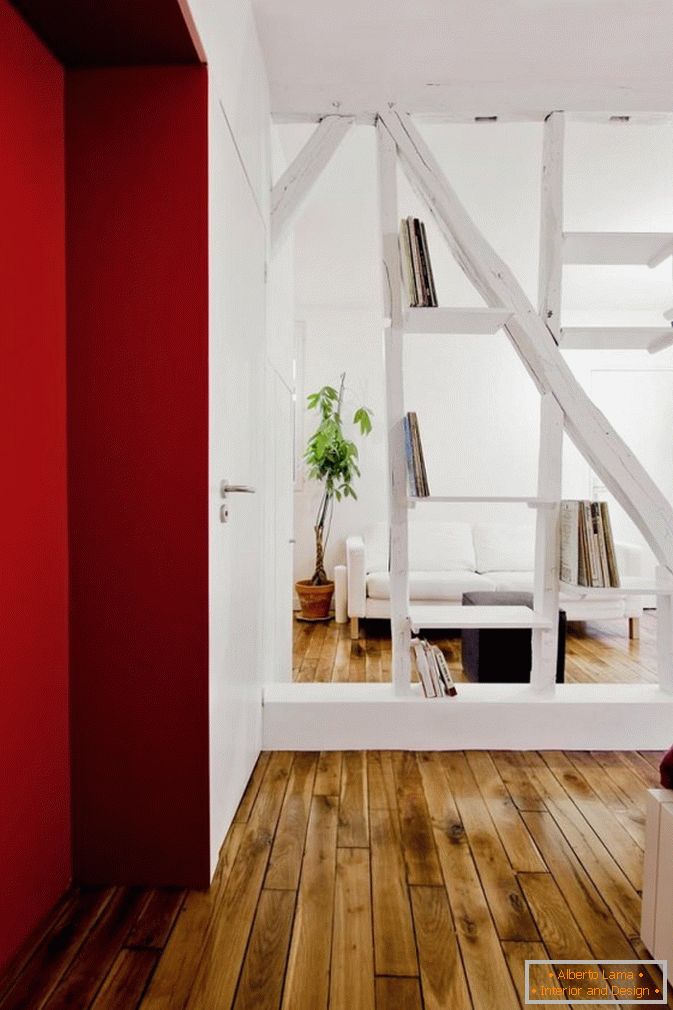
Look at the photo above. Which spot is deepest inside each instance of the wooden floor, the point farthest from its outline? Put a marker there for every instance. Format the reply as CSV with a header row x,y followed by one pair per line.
x,y
379,881
599,652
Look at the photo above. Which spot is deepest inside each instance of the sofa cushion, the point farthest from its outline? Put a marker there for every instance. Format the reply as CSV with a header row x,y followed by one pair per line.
x,y
521,582
440,547
429,585
503,548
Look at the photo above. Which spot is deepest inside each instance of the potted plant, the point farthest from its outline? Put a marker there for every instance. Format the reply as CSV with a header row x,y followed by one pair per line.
x,y
331,458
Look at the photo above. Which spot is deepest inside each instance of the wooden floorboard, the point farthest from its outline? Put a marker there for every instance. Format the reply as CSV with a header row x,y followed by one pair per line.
x,y
378,881
597,653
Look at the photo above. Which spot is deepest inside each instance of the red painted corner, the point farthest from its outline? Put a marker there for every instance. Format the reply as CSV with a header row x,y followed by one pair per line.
x,y
34,763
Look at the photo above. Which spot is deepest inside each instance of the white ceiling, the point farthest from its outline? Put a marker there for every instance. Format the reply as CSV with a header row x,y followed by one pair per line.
x,y
467,57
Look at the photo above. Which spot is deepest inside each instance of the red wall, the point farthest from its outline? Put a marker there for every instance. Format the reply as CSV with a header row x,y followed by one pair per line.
x,y
138,468
34,772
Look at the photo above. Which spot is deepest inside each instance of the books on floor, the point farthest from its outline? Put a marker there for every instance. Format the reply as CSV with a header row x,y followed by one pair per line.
x,y
587,555
416,265
416,472
433,670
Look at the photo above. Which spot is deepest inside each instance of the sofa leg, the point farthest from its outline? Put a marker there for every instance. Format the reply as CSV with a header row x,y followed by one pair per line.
x,y
355,628
634,627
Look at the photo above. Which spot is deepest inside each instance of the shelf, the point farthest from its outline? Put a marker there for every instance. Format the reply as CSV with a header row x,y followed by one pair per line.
x,y
632,587
448,616
446,320
615,338
661,342
531,502
615,248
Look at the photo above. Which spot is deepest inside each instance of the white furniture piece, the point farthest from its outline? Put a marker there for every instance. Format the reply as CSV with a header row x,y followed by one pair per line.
x,y
340,594
656,926
447,559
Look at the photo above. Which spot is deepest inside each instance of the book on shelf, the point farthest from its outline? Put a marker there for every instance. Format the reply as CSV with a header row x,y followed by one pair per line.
x,y
413,447
587,554
416,264
433,670
408,263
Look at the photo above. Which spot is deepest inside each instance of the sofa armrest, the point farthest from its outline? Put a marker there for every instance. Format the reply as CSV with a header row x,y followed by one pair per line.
x,y
357,576
630,559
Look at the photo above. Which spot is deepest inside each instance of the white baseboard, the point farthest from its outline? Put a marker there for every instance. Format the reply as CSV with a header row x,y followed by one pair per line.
x,y
483,716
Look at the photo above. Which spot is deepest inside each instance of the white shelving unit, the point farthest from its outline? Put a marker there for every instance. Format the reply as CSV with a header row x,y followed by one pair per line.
x,y
444,320
475,617
396,136
542,618
489,499
616,338
586,248
617,248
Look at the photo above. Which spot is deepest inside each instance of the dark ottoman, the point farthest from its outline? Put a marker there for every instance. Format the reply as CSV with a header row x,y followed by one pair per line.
x,y
503,655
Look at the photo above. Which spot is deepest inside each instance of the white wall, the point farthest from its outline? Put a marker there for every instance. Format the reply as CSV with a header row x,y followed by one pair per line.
x,y
477,407
247,375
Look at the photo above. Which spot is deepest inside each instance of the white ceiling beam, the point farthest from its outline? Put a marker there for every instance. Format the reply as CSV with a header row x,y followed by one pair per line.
x,y
465,104
296,182
607,454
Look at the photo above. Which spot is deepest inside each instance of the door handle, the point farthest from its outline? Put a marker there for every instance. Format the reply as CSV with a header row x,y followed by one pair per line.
x,y
227,488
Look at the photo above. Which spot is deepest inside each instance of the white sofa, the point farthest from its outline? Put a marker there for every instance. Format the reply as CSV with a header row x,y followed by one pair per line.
x,y
447,559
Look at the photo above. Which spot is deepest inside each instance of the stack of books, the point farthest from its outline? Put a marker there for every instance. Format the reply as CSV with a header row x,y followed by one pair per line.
x,y
416,263
588,555
433,670
416,472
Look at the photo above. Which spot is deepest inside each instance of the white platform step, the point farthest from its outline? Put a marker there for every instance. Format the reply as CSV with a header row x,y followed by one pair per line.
x,y
617,248
450,320
615,338
497,716
438,616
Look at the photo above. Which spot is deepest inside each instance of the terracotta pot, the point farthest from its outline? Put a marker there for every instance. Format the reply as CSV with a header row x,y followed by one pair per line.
x,y
315,600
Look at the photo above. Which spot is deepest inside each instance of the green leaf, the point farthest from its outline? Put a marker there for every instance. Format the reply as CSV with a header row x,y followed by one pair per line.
x,y
362,416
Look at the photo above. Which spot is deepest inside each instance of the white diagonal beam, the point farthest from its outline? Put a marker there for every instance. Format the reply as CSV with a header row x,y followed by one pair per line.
x,y
296,182
592,433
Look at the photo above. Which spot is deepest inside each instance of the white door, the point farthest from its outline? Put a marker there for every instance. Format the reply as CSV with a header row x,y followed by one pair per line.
x,y
237,335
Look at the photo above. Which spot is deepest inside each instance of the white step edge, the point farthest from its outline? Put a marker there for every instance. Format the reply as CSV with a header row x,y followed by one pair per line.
x,y
616,248
609,338
449,320
531,502
497,716
456,616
